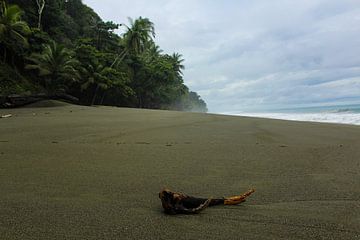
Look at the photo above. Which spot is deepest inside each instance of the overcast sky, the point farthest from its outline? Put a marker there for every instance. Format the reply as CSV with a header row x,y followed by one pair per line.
x,y
257,54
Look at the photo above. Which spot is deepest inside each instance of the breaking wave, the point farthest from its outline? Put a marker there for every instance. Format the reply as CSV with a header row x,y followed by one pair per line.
x,y
343,116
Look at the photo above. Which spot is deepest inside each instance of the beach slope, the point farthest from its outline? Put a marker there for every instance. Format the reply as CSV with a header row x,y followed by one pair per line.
x,y
75,172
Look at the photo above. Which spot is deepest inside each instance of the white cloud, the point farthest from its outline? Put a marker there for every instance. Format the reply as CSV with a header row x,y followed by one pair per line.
x,y
242,54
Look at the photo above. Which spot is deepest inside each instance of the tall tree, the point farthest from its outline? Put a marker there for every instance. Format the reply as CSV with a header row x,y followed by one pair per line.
x,y
137,38
139,35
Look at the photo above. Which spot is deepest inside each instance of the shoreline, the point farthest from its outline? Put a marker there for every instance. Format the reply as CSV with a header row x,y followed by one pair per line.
x,y
273,117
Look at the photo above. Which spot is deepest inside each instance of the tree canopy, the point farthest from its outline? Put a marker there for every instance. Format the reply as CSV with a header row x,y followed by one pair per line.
x,y
65,46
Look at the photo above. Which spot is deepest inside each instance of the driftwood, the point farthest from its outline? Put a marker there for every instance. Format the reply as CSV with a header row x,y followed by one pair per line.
x,y
180,203
15,100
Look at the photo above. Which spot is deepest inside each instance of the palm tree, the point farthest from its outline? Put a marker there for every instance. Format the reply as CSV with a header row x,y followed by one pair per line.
x,y
138,37
55,64
177,61
96,78
13,31
103,78
152,53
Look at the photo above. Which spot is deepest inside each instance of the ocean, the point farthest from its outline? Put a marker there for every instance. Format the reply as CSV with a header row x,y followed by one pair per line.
x,y
343,114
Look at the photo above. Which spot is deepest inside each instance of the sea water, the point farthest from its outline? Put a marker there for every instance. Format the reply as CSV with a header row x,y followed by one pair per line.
x,y
344,114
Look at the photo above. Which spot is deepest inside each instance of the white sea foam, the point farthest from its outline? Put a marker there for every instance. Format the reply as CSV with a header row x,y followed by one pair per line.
x,y
329,117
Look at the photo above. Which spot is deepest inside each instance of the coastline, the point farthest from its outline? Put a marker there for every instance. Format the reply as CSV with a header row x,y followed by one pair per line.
x,y
332,118
94,172
337,114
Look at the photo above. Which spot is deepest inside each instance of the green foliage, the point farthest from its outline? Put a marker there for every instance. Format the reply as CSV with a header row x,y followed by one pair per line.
x,y
84,18
139,35
55,65
13,31
30,14
37,39
105,36
12,82
70,48
96,76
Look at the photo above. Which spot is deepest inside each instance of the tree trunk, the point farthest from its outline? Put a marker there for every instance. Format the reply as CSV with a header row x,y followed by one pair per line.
x,y
41,5
140,101
94,97
98,41
119,58
5,54
39,22
13,60
102,98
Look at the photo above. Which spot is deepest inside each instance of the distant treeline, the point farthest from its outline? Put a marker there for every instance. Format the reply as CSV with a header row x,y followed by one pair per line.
x,y
63,46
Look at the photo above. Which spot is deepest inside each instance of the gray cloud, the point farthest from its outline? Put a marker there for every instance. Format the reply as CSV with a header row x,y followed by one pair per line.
x,y
257,54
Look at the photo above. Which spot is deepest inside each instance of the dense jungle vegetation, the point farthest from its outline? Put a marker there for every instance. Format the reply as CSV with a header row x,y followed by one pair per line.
x,y
63,46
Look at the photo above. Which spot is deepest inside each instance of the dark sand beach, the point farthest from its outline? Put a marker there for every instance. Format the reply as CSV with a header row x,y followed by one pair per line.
x,y
75,172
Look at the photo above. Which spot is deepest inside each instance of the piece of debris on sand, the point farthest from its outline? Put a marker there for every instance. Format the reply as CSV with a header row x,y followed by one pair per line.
x,y
180,203
6,116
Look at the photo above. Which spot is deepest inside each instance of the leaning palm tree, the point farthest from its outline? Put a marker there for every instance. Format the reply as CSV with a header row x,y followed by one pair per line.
x,y
13,31
138,37
56,65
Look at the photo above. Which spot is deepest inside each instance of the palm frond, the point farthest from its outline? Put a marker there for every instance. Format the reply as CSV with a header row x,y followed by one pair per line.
x,y
56,61
19,38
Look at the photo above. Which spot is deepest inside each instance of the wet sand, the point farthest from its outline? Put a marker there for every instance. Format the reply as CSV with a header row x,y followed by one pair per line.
x,y
75,172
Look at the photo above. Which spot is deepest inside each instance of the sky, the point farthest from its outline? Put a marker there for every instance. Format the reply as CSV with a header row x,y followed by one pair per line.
x,y
246,55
